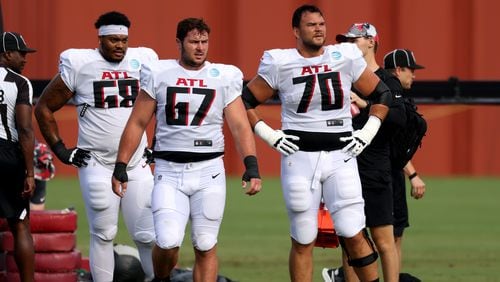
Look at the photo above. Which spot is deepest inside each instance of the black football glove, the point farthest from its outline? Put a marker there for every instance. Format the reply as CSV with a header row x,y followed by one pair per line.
x,y
120,172
252,168
75,156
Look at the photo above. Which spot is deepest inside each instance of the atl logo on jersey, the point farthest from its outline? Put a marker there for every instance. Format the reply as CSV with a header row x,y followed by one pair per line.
x,y
315,69
114,75
190,82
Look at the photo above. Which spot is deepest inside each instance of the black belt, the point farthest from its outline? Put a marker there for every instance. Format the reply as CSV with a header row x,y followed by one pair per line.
x,y
185,157
318,141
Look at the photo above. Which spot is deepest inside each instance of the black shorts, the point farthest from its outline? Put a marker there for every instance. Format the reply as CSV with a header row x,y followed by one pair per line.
x,y
12,176
400,203
377,192
40,192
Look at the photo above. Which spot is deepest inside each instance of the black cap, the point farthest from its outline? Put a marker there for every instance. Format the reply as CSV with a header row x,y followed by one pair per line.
x,y
13,41
403,58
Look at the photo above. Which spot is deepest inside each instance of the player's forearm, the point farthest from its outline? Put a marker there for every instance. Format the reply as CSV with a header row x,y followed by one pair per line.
x,y
48,126
245,144
243,137
142,113
129,142
253,117
379,110
55,95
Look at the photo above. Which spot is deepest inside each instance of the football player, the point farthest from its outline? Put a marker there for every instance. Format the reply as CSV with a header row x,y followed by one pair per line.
x,y
103,83
317,143
190,98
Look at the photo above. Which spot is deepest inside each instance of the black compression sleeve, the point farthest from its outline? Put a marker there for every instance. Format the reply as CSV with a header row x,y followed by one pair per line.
x,y
249,99
381,94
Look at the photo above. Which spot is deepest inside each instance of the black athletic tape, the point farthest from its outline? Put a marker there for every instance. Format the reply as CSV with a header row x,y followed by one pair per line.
x,y
120,172
249,99
59,149
252,168
381,94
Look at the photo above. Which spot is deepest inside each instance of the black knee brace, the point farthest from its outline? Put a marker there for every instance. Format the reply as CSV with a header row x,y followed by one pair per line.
x,y
364,261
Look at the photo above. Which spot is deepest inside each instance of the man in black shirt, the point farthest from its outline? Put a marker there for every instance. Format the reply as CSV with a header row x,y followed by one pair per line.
x,y
374,162
401,63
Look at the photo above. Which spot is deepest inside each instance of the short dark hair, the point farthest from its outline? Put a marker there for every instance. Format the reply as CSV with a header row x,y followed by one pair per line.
x,y
112,17
297,15
186,25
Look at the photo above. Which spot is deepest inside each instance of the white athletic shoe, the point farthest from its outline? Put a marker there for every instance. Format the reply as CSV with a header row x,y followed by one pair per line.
x,y
333,274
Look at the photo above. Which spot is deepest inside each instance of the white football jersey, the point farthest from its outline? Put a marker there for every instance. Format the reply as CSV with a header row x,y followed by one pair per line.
x,y
190,104
14,89
105,93
314,92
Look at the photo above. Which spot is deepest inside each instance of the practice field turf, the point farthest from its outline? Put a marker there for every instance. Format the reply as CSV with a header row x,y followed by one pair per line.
x,y
454,233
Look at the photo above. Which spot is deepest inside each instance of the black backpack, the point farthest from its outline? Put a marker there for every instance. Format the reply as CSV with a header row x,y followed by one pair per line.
x,y
406,141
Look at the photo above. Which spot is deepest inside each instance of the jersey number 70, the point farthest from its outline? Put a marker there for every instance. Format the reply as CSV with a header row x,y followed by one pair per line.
x,y
326,89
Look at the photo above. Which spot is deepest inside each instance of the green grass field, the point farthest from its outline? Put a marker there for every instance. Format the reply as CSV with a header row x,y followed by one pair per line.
x,y
454,233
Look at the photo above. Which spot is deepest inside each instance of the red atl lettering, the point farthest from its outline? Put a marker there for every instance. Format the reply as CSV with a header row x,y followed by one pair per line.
x,y
315,69
114,75
190,82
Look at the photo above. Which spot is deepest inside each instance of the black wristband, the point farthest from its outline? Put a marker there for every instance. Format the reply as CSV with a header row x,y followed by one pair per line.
x,y
252,167
413,175
120,172
58,147
61,152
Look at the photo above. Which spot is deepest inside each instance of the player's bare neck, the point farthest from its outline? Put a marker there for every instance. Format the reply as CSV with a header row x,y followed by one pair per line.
x,y
109,58
310,52
190,66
